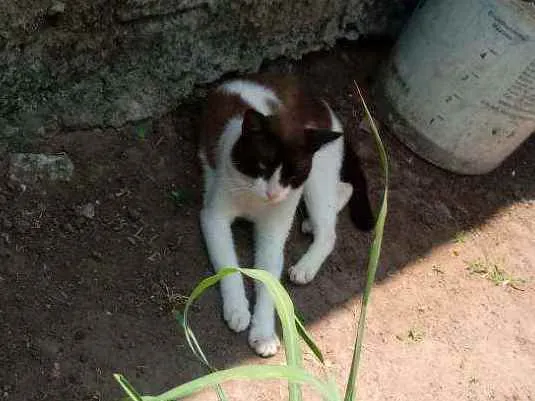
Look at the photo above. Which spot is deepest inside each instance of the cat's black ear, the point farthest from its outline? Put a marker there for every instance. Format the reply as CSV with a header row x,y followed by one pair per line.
x,y
316,138
253,122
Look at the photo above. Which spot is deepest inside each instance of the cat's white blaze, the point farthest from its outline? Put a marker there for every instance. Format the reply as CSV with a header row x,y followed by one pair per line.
x,y
230,194
275,192
255,95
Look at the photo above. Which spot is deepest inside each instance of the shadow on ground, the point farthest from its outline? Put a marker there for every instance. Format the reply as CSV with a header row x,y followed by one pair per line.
x,y
81,298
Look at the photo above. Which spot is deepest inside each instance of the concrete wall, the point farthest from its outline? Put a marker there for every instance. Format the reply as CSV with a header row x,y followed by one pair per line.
x,y
85,63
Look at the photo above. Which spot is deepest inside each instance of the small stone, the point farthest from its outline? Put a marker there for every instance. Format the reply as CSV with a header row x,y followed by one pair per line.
x,y
69,228
32,167
56,371
5,238
3,199
58,7
88,210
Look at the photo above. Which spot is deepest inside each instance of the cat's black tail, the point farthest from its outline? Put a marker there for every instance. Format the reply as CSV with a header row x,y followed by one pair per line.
x,y
359,203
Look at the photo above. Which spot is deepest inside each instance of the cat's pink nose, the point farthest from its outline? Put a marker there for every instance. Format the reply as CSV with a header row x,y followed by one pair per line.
x,y
272,195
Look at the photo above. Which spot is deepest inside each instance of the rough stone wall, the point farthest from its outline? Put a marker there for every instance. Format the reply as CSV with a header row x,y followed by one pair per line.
x,y
86,63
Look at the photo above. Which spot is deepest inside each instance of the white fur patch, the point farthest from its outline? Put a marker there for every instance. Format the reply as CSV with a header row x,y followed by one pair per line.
x,y
255,95
336,125
275,192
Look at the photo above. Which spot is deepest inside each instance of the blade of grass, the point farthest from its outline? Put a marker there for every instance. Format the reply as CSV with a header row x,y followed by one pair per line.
x,y
373,258
197,350
127,387
283,306
190,336
308,339
296,376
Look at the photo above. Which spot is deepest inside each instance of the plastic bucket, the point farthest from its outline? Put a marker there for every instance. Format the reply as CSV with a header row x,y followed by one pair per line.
x,y
459,85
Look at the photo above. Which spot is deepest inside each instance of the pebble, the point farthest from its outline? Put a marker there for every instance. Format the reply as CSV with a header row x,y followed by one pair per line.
x,y
88,211
28,168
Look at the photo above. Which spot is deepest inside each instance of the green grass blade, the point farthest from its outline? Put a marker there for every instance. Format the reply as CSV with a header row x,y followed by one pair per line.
x,y
197,350
373,258
296,376
127,387
308,339
190,336
283,306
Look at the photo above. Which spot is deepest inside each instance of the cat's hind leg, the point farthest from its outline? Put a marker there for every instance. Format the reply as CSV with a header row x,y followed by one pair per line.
x,y
324,196
345,190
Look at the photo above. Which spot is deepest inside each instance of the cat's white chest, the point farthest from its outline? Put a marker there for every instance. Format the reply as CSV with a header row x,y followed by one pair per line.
x,y
248,205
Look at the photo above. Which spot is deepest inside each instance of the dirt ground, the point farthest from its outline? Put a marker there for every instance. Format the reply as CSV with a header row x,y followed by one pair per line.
x,y
452,314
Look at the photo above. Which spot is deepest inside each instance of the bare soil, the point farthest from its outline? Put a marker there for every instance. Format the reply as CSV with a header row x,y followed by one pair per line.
x,y
84,297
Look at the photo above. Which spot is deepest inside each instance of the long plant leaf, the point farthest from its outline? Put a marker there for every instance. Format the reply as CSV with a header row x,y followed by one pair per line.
x,y
296,376
307,338
127,387
373,259
198,352
283,306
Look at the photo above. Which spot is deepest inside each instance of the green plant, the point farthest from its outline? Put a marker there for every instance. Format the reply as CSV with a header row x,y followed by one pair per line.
x,y
414,335
293,372
493,272
460,237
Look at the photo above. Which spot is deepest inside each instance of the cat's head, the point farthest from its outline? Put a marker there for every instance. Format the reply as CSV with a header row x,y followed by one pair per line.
x,y
273,160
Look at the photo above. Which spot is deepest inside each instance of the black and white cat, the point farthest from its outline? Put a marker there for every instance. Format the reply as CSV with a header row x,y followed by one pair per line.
x,y
265,143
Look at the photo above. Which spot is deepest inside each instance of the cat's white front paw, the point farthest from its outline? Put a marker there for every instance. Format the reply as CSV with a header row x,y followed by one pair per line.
x,y
265,346
302,274
237,316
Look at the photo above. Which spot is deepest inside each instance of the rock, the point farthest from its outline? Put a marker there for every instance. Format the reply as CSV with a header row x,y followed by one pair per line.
x,y
143,56
5,238
30,168
87,210
57,7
